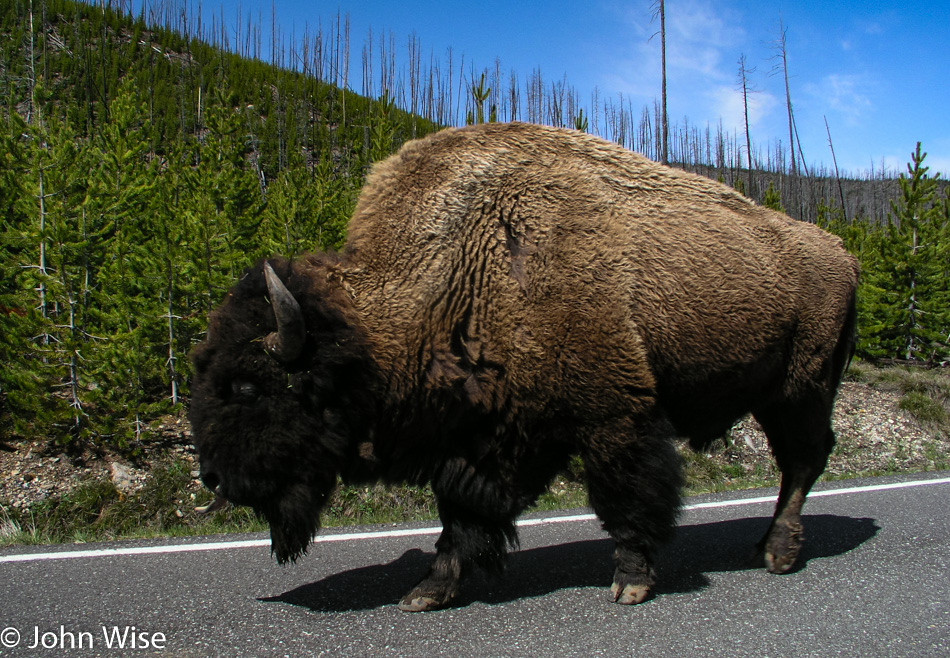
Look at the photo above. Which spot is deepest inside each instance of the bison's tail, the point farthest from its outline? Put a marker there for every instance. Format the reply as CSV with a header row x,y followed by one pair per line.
x,y
847,342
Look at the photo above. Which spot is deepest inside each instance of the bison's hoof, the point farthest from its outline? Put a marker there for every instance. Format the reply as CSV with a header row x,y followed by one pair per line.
x,y
779,563
782,547
420,604
631,594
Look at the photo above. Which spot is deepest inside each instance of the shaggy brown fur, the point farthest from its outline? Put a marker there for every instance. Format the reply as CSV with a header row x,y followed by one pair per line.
x,y
510,295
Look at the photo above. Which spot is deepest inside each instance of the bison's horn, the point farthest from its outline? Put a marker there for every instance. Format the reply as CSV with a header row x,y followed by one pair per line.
x,y
213,506
287,342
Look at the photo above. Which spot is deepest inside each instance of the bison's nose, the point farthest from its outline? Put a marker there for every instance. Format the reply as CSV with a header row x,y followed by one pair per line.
x,y
212,480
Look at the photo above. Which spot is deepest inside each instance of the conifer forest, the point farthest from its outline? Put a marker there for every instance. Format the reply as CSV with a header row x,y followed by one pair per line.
x,y
146,160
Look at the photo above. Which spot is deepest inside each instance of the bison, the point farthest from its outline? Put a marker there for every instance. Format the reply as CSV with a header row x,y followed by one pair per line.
x,y
509,296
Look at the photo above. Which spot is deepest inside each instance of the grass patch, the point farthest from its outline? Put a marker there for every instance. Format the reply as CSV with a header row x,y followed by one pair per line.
x,y
378,504
857,372
164,507
923,407
934,383
97,511
935,453
925,392
564,493
709,472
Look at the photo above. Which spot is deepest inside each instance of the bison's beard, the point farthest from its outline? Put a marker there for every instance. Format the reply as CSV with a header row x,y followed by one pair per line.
x,y
294,521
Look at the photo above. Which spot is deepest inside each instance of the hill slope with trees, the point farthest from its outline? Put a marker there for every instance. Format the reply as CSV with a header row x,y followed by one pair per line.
x,y
145,163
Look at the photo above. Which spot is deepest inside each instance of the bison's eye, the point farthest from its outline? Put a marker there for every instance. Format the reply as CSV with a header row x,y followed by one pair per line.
x,y
244,390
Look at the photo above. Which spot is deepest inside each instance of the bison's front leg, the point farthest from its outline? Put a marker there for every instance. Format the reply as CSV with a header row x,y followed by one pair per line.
x,y
468,539
438,588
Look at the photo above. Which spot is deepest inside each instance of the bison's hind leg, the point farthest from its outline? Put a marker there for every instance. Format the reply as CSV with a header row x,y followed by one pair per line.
x,y
633,479
800,434
801,438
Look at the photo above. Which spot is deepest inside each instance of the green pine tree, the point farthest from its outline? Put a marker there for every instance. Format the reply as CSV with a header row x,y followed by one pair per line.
x,y
383,132
306,211
831,217
480,94
125,359
221,202
906,285
55,242
25,408
773,199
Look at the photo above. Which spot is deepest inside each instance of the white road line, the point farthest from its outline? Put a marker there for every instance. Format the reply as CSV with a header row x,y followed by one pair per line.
x,y
413,532
821,494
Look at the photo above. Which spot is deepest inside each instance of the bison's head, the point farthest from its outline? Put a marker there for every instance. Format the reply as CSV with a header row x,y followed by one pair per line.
x,y
274,384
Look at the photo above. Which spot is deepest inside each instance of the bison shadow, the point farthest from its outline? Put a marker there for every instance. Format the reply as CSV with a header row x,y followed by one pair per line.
x,y
681,566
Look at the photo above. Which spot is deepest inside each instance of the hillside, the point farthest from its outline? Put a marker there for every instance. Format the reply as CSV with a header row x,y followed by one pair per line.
x,y
145,162
143,170
77,58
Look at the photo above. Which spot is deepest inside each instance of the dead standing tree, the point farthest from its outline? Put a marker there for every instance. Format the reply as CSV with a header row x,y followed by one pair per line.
x,y
744,73
834,159
781,67
659,10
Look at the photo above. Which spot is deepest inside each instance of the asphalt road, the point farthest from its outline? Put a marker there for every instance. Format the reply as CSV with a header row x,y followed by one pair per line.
x,y
874,580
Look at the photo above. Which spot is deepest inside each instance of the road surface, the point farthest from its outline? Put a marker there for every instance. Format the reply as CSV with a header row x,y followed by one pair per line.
x,y
874,580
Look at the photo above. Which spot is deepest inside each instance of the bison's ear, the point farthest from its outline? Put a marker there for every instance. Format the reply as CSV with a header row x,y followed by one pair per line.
x,y
287,342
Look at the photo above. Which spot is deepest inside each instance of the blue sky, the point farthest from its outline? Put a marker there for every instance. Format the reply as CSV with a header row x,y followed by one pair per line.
x,y
877,73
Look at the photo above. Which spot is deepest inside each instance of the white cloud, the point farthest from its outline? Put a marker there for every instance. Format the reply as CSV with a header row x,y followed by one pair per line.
x,y
938,166
701,40
699,33
727,104
897,164
846,95
698,21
